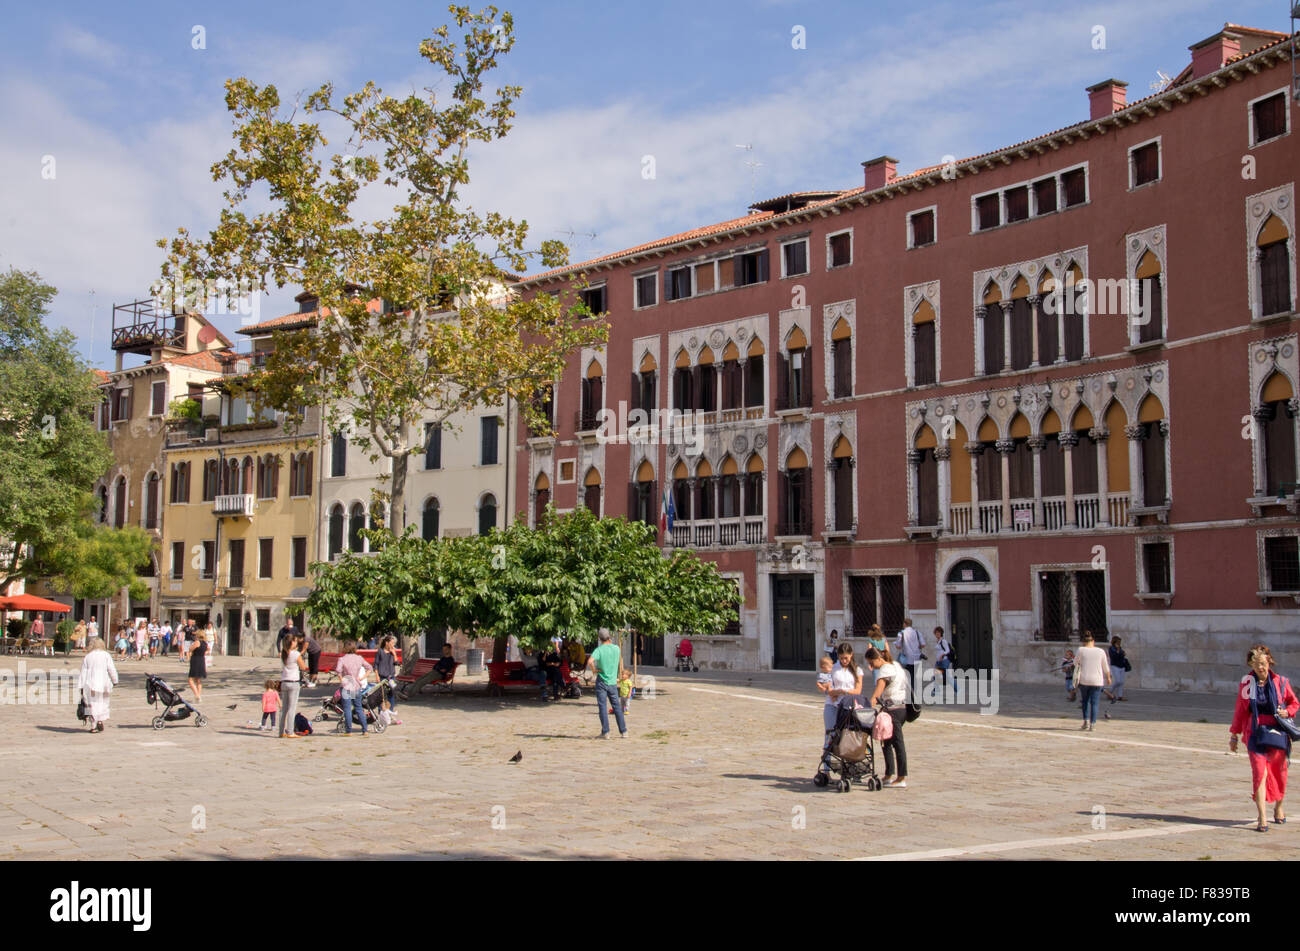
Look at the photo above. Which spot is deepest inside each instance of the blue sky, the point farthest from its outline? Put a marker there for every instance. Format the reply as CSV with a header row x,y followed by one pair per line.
x,y
133,114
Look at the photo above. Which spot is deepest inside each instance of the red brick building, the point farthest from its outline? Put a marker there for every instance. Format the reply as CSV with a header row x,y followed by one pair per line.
x,y
1048,388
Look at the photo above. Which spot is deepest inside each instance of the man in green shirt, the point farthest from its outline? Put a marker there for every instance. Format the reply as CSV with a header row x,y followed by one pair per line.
x,y
605,661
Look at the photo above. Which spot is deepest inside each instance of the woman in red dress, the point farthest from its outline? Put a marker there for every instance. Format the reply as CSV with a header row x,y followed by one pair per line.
x,y
1268,765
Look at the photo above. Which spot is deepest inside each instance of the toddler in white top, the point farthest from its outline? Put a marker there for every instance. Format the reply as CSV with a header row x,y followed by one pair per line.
x,y
824,676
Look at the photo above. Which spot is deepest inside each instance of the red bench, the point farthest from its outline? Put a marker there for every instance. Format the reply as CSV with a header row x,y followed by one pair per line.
x,y
328,661
425,673
507,674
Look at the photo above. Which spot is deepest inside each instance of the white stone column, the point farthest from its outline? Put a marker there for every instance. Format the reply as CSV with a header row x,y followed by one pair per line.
x,y
981,312
1068,441
1033,326
1006,335
1136,433
1036,446
975,450
1005,448
1100,435
943,454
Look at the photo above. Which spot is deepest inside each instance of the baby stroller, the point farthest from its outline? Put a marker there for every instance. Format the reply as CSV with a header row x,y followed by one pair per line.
x,y
177,707
372,702
686,656
849,752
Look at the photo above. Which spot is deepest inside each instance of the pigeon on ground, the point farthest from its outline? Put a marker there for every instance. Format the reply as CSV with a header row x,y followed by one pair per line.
x,y
232,706
517,757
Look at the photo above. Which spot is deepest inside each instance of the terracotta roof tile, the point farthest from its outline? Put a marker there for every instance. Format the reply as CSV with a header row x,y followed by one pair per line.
x,y
203,360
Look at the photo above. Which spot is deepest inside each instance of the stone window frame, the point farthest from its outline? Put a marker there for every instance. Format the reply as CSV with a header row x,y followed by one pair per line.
x,y
1136,245
1036,592
1278,201
1277,354
1251,142
913,295
1264,593
1003,276
1160,163
1143,593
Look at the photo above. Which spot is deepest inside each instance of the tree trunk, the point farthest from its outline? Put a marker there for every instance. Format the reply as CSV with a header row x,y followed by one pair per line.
x,y
499,647
410,645
397,504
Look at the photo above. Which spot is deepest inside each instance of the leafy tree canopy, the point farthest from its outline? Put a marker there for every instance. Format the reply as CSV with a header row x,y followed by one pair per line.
x,y
570,577
447,335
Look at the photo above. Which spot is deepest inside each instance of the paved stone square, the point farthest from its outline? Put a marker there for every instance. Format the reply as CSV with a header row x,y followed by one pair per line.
x,y
715,766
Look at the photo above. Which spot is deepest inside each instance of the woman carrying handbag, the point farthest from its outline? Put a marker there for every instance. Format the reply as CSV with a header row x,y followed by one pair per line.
x,y
1264,699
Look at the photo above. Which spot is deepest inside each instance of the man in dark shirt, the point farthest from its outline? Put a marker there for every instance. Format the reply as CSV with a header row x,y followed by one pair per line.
x,y
554,676
313,659
286,632
446,664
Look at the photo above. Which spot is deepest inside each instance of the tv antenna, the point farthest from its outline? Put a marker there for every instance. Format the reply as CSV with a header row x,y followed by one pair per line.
x,y
1162,82
571,234
753,165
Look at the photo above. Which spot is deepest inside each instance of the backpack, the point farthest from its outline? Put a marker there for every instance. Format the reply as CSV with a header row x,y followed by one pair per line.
x,y
301,725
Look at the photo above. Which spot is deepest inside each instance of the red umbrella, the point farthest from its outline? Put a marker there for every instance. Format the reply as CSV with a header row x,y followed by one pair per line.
x,y
29,602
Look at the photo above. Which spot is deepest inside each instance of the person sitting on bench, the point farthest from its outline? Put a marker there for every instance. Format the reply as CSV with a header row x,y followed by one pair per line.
x,y
533,669
554,676
446,665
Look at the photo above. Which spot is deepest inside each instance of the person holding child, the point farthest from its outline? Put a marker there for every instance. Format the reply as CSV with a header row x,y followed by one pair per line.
x,y
842,688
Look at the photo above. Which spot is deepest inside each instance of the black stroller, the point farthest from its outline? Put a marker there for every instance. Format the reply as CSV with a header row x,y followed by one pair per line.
x,y
177,707
849,752
372,702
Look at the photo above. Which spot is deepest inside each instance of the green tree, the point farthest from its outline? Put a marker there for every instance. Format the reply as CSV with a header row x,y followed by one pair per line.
x,y
570,577
447,337
50,452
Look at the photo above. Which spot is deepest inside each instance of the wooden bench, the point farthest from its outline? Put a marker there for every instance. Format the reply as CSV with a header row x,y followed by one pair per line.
x,y
328,663
509,674
424,673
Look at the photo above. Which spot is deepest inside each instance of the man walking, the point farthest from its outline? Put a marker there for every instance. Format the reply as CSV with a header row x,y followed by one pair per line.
x,y
605,660
910,651
286,632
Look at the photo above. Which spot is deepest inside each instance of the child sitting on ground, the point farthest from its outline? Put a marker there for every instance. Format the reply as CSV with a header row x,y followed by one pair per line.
x,y
824,675
270,703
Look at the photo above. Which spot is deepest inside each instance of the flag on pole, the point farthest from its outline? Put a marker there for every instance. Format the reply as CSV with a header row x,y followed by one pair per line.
x,y
668,510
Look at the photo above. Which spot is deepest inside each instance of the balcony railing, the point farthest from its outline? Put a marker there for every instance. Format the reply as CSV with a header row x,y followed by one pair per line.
x,y
990,517
585,421
234,505
1087,514
722,533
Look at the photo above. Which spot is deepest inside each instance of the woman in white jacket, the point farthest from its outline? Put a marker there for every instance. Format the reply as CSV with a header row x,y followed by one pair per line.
x,y
98,677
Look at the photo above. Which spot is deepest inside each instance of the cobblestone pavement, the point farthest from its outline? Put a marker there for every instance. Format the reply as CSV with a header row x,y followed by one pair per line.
x,y
715,766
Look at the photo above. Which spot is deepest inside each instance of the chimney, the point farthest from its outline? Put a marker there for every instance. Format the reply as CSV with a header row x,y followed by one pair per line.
x,y
1107,97
1210,54
879,172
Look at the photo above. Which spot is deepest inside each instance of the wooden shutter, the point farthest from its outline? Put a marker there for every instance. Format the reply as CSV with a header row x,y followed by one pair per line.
x,y
843,495
1022,330
993,338
634,393
927,489
1274,279
763,264
1084,457
923,361
1153,466
1047,337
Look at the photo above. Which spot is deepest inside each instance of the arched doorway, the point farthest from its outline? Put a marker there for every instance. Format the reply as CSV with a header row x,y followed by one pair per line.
x,y
970,614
